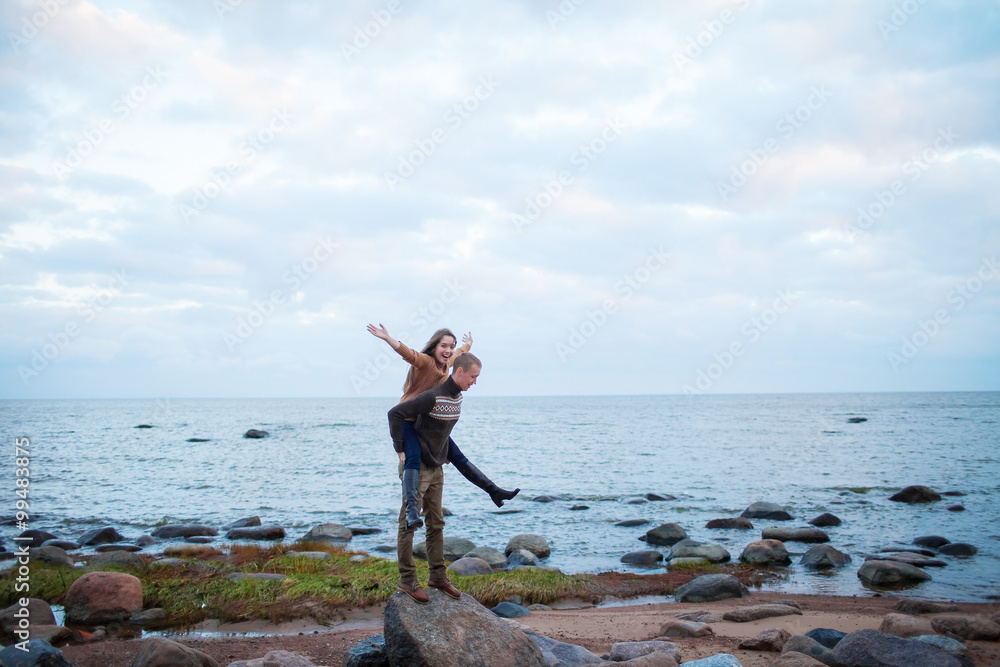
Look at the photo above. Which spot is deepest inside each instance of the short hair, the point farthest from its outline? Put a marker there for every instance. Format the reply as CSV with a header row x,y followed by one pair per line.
x,y
465,361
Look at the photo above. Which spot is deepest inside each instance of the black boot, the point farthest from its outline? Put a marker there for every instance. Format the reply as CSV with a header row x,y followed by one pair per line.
x,y
476,476
411,491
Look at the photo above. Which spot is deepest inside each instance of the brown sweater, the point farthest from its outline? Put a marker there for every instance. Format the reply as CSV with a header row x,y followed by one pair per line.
x,y
428,373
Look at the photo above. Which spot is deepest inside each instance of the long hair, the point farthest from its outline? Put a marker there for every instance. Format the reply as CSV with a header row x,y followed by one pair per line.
x,y
411,375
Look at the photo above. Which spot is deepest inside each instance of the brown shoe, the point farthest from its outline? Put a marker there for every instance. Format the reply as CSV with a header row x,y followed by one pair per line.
x,y
446,586
418,594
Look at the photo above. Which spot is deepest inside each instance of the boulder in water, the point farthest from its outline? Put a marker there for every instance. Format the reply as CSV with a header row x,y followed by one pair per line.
x,y
97,536
659,497
631,523
665,535
887,573
765,552
764,510
738,523
915,494
825,519
931,541
171,531
958,549
328,532
454,633
267,532
536,544
254,434
245,522
34,538
713,553
807,535
646,558
821,556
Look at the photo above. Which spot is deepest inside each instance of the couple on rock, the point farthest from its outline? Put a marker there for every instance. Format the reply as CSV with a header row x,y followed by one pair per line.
x,y
420,426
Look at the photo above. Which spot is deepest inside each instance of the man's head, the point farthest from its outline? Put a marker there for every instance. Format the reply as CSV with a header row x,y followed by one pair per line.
x,y
466,370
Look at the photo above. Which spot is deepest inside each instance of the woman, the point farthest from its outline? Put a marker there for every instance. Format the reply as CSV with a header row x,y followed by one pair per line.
x,y
429,368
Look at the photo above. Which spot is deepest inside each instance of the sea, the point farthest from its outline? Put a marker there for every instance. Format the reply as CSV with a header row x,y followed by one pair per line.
x,y
331,460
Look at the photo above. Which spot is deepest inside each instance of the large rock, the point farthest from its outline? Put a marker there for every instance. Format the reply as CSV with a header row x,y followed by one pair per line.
x,y
281,658
903,625
676,627
943,643
958,549
738,523
765,552
39,654
772,639
825,519
102,597
456,547
826,636
116,559
245,522
759,611
39,613
713,553
796,660
915,494
966,627
918,560
162,652
454,633
171,531
645,557
52,556
521,558
97,536
887,573
910,606
717,660
871,648
665,535
492,556
465,567
328,532
931,541
369,652
36,538
807,646
510,610
622,651
266,532
536,544
709,587
561,654
807,535
698,617
821,556
769,511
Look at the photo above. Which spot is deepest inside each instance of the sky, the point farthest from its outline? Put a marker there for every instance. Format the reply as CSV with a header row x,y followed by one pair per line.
x,y
213,198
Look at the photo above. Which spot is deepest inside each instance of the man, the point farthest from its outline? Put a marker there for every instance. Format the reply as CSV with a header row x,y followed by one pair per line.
x,y
436,411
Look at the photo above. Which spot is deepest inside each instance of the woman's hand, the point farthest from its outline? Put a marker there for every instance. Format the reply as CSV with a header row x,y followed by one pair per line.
x,y
381,332
467,339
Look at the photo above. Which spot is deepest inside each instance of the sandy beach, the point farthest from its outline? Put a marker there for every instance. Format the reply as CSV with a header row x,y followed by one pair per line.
x,y
595,628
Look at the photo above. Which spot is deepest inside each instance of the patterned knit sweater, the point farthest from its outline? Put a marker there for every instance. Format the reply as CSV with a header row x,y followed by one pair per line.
x,y
436,412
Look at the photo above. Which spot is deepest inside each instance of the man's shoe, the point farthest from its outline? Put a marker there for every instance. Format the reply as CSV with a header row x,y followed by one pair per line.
x,y
446,587
418,594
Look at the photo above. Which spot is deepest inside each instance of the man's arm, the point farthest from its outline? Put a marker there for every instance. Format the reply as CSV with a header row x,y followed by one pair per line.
x,y
420,404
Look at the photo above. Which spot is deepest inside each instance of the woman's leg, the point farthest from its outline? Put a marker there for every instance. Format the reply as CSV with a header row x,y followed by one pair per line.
x,y
475,475
411,476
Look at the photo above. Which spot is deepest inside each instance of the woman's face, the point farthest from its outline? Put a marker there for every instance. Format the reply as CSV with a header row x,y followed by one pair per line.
x,y
444,349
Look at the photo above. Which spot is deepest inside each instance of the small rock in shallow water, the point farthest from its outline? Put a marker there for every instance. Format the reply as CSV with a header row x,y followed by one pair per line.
x,y
665,535
659,497
825,519
544,499
807,535
266,532
738,523
636,501
931,541
631,523
915,494
956,508
765,552
887,573
577,508
646,557
958,549
254,434
245,522
363,530
764,510
822,556
710,587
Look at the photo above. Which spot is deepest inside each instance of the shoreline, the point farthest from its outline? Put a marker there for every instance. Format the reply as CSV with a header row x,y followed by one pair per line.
x,y
595,628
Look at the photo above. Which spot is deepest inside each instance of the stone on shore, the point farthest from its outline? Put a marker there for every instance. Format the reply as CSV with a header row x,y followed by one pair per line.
x,y
100,536
521,558
795,660
807,535
820,556
713,553
698,617
282,658
148,617
759,611
903,625
931,541
958,549
103,597
510,610
645,558
826,636
623,651
454,633
456,547
943,643
887,573
328,532
465,567
171,531
772,639
116,559
738,523
676,627
52,556
765,552
35,538
908,606
665,535
369,652
173,563
561,654
49,633
39,654
808,646
255,434
769,511
492,556
825,519
39,612
536,544
966,627
162,652
267,532
915,494
717,660
864,648
709,587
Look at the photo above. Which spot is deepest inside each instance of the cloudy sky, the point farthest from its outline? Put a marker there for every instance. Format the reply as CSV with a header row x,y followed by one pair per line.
x,y
214,197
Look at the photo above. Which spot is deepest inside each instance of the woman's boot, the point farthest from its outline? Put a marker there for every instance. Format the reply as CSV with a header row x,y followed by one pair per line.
x,y
476,476
411,491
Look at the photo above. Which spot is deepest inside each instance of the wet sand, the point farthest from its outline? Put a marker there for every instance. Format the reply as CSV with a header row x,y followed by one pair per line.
x,y
595,628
